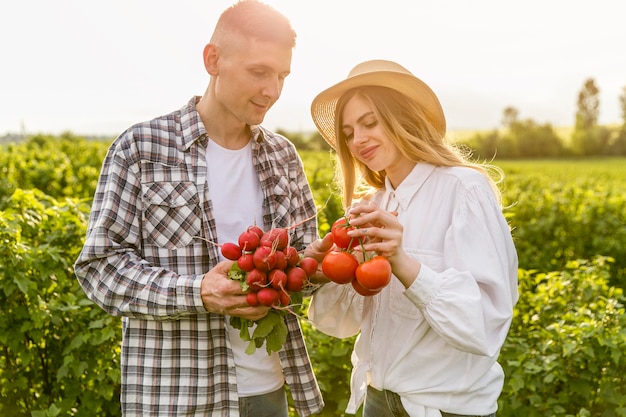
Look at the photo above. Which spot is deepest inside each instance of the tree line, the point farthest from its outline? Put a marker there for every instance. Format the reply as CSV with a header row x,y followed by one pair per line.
x,y
525,138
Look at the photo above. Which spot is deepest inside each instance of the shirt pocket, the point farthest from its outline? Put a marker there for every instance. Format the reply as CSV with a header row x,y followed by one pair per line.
x,y
172,217
400,304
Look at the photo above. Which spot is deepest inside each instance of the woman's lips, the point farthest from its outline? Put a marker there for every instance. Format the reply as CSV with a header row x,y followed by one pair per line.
x,y
368,152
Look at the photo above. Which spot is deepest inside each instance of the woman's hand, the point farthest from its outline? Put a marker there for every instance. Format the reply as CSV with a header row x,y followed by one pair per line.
x,y
381,232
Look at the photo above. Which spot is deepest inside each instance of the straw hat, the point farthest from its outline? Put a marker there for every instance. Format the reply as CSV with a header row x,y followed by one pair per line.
x,y
378,73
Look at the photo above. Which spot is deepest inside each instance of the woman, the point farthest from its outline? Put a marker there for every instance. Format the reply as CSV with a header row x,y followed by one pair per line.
x,y
429,341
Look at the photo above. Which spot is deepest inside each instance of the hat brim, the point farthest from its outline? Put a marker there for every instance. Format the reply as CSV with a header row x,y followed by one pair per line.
x,y
325,103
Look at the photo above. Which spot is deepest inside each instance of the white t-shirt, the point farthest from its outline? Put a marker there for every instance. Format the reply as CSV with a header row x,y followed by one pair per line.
x,y
237,198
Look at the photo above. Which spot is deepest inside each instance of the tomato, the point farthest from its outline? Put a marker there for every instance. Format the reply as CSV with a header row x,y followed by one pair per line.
x,y
374,274
361,290
339,267
339,231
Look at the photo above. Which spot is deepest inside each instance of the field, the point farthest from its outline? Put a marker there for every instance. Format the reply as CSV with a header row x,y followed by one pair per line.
x,y
59,353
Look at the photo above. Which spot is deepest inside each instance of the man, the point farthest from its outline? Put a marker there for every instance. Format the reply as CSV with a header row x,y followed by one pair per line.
x,y
170,189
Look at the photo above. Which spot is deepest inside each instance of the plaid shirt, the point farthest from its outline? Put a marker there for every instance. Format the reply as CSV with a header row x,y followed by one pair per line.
x,y
142,260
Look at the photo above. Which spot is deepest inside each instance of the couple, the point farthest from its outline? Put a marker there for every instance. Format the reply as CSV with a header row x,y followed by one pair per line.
x,y
428,342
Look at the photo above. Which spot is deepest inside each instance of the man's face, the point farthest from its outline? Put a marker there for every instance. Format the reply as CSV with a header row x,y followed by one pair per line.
x,y
250,78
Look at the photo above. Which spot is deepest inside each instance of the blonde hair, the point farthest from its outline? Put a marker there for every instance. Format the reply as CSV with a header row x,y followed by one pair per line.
x,y
408,128
256,20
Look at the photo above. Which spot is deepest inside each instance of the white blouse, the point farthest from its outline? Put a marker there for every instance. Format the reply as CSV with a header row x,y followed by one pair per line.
x,y
436,343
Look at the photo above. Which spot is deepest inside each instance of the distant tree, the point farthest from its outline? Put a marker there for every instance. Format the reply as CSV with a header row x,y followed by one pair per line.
x,y
510,116
535,140
484,146
296,138
618,147
588,106
317,142
587,138
622,105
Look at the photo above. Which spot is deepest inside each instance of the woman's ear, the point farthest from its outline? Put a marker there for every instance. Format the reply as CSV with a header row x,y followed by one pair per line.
x,y
210,56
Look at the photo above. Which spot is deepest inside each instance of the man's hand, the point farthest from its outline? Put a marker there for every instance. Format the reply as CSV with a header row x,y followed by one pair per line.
x,y
222,295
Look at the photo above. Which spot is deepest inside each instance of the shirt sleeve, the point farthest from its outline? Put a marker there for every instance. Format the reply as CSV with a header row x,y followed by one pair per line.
x,y
110,268
336,310
470,303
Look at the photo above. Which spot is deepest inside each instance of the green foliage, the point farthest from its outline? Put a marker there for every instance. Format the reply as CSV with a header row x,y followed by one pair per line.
x,y
320,171
332,366
563,210
564,355
65,166
59,353
525,139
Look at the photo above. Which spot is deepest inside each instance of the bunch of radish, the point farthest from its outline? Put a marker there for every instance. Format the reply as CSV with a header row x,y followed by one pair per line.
x,y
268,267
368,277
273,274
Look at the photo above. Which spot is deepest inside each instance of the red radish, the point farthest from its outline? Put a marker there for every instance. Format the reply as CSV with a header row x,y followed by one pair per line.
x,y
268,296
231,251
277,278
256,230
292,256
252,299
284,298
256,279
309,265
246,262
275,238
264,258
296,278
281,260
248,241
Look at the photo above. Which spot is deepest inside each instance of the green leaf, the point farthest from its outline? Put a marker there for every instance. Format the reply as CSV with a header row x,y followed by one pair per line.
x,y
265,325
277,338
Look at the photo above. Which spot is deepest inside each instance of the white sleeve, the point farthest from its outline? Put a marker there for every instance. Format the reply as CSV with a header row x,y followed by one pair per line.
x,y
470,303
336,310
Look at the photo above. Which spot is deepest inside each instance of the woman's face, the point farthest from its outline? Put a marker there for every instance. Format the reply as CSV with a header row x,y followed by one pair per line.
x,y
369,143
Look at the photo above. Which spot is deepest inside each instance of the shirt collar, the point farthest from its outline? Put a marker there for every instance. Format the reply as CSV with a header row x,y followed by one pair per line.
x,y
193,129
407,189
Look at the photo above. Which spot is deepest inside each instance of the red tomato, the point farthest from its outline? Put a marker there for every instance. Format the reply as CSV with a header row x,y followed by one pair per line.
x,y
374,274
339,267
363,291
339,231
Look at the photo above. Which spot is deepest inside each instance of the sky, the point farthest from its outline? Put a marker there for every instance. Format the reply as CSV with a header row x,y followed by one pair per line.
x,y
97,67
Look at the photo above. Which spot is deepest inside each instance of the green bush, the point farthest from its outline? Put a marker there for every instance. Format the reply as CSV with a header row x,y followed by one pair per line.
x,y
564,210
564,355
59,353
65,166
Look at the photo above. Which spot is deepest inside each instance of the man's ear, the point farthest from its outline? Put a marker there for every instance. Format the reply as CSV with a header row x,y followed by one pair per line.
x,y
210,56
